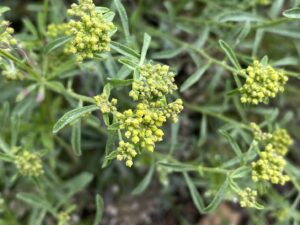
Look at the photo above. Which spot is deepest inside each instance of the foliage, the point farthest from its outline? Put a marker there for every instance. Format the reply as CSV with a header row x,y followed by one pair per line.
x,y
85,86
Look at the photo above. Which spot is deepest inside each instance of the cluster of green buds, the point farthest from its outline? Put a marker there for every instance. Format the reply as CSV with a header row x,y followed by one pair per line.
x,y
89,29
248,198
6,32
271,163
269,167
104,104
281,141
263,82
258,134
141,126
29,164
126,152
155,81
9,70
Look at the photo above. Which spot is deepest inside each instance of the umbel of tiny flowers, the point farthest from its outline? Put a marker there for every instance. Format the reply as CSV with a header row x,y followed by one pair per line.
x,y
269,167
89,30
280,138
248,198
6,32
29,164
262,83
141,125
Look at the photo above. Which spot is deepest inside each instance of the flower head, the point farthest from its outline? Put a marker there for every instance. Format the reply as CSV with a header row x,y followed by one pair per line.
x,y
6,32
281,141
269,167
248,198
262,83
154,81
89,30
29,164
104,104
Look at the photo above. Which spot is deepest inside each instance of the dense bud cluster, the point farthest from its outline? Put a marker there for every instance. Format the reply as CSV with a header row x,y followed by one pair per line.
x,y
142,124
262,83
29,164
248,198
9,71
155,81
126,152
258,134
269,167
6,32
89,29
104,104
281,141
63,218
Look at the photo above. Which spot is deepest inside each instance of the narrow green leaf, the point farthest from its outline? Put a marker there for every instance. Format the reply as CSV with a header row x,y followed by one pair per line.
x,y
99,209
72,115
120,83
239,17
109,16
4,9
35,201
102,10
6,157
230,54
167,54
124,50
76,138
195,77
55,44
128,63
146,44
197,199
177,167
293,13
124,18
233,144
142,186
3,146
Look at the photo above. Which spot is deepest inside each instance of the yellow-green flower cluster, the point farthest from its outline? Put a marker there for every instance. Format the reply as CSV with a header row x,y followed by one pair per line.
x,y
6,34
126,152
269,167
29,164
155,81
104,104
258,134
281,141
89,29
248,198
9,71
271,162
262,83
280,138
141,125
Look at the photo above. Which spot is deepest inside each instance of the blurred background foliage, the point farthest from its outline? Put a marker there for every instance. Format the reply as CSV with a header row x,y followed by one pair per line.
x,y
184,33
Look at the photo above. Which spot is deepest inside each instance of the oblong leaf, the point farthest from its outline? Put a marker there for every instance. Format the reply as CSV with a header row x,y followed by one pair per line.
x,y
124,50
55,44
72,115
293,13
230,54
197,199
99,209
195,77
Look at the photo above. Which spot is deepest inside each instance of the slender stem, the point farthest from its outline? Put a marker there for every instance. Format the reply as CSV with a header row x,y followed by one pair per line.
x,y
79,97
